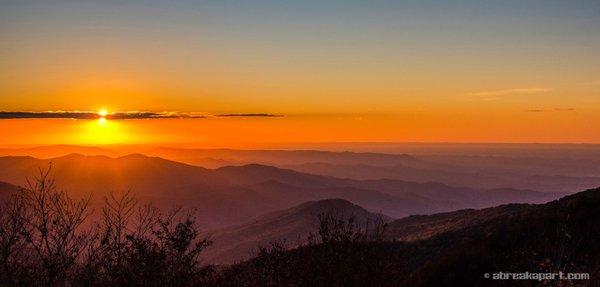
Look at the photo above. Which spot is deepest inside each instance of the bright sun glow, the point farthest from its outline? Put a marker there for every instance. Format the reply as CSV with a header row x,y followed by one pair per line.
x,y
103,131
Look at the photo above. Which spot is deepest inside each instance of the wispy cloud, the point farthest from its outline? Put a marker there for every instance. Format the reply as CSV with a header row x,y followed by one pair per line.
x,y
564,109
507,92
249,115
85,115
126,115
49,115
589,83
552,110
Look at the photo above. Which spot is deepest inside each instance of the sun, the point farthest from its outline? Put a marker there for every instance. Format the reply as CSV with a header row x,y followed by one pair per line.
x,y
103,113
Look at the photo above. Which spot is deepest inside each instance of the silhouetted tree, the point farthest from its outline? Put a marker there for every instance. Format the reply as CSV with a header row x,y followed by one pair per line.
x,y
339,254
334,228
45,240
51,236
138,245
12,243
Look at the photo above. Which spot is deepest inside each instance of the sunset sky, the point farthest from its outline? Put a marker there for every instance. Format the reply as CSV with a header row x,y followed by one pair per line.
x,y
301,71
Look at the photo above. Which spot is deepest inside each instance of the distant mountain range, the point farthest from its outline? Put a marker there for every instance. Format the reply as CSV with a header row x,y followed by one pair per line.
x,y
457,175
508,167
52,151
234,194
275,157
549,173
214,157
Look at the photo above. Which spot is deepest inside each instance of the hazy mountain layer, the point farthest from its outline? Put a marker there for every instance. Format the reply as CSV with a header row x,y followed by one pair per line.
x,y
232,195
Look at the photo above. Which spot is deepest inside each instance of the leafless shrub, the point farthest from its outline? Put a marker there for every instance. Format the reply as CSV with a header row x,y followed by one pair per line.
x,y
12,243
139,245
51,229
338,229
46,240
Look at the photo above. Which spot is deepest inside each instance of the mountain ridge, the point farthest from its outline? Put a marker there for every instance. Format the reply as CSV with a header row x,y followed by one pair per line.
x,y
289,227
262,188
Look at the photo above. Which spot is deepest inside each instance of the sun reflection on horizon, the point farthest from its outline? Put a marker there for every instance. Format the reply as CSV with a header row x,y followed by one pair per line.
x,y
103,131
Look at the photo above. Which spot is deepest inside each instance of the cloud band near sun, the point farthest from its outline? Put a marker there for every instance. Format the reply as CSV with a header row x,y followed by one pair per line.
x,y
128,115
249,115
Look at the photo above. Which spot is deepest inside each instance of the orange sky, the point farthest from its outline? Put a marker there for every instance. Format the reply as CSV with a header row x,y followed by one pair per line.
x,y
553,126
336,71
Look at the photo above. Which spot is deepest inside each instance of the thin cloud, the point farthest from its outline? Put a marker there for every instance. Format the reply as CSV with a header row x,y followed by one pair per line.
x,y
87,115
555,110
49,115
153,115
591,83
249,115
519,91
126,115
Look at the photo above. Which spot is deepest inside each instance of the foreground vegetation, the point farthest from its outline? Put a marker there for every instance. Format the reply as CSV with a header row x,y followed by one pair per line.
x,y
48,239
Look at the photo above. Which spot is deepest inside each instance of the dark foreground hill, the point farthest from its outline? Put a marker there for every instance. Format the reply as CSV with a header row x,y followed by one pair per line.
x,y
291,226
558,236
418,227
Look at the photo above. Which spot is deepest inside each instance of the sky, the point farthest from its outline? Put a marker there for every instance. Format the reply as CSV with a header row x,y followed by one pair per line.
x,y
391,71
